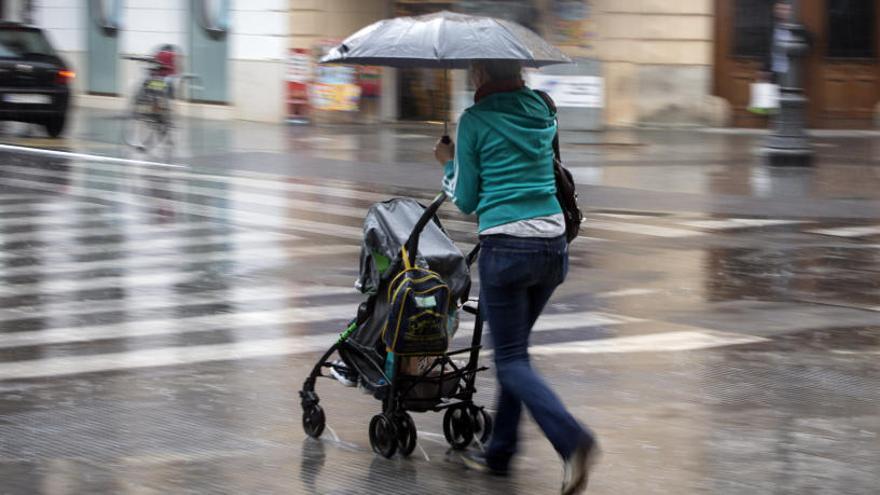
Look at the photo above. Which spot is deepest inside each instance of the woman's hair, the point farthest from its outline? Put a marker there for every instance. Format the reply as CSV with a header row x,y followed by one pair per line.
x,y
500,70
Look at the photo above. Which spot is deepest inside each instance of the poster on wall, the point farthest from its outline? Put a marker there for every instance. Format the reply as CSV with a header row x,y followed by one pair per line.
x,y
572,23
299,66
298,77
570,91
370,81
335,87
336,97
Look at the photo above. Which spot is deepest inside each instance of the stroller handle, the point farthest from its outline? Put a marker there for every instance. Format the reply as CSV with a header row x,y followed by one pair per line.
x,y
412,244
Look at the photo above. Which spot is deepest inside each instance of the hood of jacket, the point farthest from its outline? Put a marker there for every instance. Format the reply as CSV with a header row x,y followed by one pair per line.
x,y
521,117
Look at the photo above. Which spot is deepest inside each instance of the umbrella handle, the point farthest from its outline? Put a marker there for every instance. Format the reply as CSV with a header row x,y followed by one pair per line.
x,y
446,139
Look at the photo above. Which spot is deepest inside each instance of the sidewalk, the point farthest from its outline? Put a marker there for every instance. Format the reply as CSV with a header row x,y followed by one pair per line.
x,y
93,130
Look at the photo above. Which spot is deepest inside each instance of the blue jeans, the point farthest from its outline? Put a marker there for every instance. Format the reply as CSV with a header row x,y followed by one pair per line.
x,y
517,278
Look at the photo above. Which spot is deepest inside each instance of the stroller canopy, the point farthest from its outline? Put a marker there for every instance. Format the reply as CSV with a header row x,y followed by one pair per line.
x,y
387,227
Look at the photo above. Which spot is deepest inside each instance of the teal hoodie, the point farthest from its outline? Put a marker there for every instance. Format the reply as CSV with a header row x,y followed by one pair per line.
x,y
503,166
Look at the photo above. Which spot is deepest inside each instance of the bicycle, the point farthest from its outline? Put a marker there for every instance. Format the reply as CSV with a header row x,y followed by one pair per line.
x,y
150,118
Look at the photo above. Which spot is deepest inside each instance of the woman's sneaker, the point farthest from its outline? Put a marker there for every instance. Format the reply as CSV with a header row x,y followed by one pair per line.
x,y
343,374
578,466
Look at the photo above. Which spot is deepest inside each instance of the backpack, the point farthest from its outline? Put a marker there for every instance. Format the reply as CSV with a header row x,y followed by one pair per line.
x,y
565,190
419,302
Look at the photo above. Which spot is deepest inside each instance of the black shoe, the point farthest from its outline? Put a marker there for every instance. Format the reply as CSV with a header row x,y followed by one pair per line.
x,y
477,461
578,466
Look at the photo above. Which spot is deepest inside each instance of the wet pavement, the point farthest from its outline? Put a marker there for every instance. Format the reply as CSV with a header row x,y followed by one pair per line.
x,y
720,328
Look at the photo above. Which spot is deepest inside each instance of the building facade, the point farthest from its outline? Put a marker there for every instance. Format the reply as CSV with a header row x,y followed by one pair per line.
x,y
841,71
661,62
655,56
236,47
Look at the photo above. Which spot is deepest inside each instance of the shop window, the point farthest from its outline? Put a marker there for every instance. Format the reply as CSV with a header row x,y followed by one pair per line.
x,y
852,28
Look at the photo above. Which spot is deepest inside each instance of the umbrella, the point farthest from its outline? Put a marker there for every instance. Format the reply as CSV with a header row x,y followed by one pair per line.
x,y
444,40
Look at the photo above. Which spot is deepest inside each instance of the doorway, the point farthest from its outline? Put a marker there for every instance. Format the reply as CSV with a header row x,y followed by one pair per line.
x,y
424,93
209,48
102,41
841,74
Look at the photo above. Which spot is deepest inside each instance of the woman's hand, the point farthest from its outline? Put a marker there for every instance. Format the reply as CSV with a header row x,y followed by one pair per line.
x,y
444,152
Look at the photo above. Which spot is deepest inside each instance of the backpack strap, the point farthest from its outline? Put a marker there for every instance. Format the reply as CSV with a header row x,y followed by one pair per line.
x,y
407,264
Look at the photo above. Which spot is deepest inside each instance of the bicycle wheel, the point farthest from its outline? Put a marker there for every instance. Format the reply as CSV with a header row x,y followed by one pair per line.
x,y
144,125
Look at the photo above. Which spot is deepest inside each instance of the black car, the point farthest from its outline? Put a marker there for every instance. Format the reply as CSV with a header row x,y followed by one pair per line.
x,y
34,80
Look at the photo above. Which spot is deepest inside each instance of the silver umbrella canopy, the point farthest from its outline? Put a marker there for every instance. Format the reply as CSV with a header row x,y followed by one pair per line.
x,y
444,40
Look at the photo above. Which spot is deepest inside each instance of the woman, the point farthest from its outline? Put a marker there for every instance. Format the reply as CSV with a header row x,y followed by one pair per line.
x,y
502,168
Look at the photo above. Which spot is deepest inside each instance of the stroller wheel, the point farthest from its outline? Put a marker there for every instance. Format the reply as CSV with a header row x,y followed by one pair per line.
x,y
482,423
406,434
314,420
383,435
458,427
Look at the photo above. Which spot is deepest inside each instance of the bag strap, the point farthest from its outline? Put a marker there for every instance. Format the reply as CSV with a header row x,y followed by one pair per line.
x,y
551,105
406,262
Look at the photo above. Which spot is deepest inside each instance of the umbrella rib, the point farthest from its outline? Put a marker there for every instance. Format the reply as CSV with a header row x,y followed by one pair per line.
x,y
514,37
404,33
437,40
476,32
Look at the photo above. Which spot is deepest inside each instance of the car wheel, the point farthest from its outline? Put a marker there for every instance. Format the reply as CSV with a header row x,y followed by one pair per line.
x,y
55,125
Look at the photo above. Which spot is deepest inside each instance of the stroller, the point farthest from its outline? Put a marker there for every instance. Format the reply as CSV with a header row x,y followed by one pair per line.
x,y
398,234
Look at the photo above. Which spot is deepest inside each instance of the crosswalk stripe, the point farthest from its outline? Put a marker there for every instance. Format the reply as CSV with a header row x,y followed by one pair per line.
x,y
84,156
640,229
659,342
179,326
66,219
738,223
280,202
281,185
236,240
271,182
47,207
466,227
849,231
342,189
626,293
166,356
225,214
52,286
74,231
6,199
558,321
625,216
200,323
564,321
151,301
134,260
176,356
152,278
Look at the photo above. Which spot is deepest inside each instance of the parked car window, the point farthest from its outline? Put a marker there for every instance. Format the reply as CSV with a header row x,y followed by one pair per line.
x,y
20,43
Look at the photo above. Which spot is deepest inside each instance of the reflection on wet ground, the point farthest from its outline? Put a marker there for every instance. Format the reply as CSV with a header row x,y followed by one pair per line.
x,y
156,323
